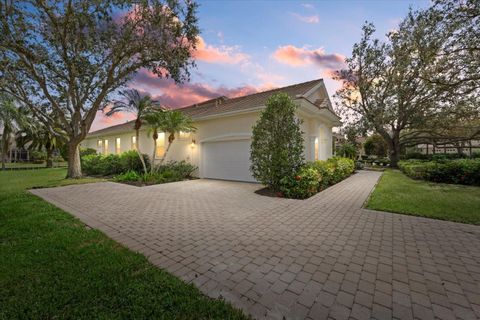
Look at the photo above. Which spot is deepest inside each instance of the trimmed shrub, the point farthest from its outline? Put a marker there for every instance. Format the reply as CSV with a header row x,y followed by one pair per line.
x,y
170,172
316,176
87,151
303,185
112,164
459,171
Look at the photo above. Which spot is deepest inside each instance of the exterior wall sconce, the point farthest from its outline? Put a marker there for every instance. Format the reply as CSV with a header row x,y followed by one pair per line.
x,y
192,145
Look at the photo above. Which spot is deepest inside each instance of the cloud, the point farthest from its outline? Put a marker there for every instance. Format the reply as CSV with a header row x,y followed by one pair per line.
x,y
295,56
222,54
307,19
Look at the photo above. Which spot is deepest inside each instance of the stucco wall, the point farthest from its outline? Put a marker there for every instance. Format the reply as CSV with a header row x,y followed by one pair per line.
x,y
226,128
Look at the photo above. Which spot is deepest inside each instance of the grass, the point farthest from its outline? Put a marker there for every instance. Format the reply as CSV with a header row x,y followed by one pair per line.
x,y
53,267
32,165
396,192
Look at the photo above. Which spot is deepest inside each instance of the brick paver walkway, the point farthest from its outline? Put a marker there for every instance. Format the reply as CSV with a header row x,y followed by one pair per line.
x,y
320,258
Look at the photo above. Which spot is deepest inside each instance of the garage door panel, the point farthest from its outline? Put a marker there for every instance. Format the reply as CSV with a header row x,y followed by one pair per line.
x,y
228,160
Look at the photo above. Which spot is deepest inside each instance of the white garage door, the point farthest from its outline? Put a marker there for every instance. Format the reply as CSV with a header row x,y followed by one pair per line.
x,y
228,160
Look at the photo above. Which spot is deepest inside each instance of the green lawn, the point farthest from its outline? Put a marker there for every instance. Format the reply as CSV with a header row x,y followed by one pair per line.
x,y
396,192
32,165
51,266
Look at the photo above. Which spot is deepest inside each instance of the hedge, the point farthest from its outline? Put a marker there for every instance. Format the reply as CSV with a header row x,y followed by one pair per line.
x,y
459,171
112,164
316,176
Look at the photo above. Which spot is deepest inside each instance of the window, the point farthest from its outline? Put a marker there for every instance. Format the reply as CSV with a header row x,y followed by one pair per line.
x,y
99,144
160,145
134,143
316,149
105,146
117,146
183,135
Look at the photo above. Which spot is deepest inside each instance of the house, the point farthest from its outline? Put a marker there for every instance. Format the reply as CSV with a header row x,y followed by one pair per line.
x,y
220,147
468,147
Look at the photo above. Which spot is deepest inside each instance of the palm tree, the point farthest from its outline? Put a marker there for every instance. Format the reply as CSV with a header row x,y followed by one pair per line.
x,y
37,136
139,105
174,122
169,121
154,121
10,119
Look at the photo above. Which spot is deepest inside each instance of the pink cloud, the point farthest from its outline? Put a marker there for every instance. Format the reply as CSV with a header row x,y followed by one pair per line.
x,y
222,54
295,56
173,95
307,19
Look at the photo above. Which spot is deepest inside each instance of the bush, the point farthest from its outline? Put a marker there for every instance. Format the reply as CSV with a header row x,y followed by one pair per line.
x,y
129,176
277,142
316,176
303,185
182,168
112,164
87,151
38,156
170,172
459,171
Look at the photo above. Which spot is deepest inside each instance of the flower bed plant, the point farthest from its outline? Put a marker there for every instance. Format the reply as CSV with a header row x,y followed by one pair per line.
x,y
316,176
170,172
459,171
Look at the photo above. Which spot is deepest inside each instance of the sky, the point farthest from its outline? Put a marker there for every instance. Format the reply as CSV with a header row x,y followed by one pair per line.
x,y
250,46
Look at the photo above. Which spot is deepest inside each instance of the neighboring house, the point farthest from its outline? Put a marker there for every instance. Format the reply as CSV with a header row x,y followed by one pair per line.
x,y
465,147
221,145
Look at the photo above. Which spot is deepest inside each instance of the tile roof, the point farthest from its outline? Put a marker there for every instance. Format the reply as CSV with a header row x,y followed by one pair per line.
x,y
223,104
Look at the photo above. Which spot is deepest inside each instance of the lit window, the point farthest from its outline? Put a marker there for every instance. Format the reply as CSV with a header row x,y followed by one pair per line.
x,y
160,145
117,146
105,146
316,149
183,135
99,144
134,143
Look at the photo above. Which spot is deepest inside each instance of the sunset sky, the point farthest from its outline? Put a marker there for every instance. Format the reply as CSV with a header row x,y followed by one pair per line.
x,y
250,46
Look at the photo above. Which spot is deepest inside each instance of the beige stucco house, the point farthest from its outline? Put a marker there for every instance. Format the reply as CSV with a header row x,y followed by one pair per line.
x,y
221,145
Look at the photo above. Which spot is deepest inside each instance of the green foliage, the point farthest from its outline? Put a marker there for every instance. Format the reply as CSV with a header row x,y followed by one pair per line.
x,y
87,151
303,185
169,172
38,156
277,142
347,149
375,145
459,171
98,164
128,176
316,176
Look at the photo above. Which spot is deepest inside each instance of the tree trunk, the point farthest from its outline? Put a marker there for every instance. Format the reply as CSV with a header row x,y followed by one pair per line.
x,y
74,166
4,150
166,152
394,152
152,165
137,137
49,158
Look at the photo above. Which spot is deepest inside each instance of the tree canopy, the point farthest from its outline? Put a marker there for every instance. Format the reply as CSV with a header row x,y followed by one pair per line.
x,y
63,59
420,82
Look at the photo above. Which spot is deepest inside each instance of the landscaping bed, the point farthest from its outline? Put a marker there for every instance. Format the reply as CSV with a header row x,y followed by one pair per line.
x,y
312,178
395,192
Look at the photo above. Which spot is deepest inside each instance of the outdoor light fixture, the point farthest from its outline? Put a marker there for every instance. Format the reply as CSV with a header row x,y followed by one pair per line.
x,y
192,145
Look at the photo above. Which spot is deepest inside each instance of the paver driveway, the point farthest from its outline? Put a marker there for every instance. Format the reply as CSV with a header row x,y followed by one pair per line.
x,y
324,257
